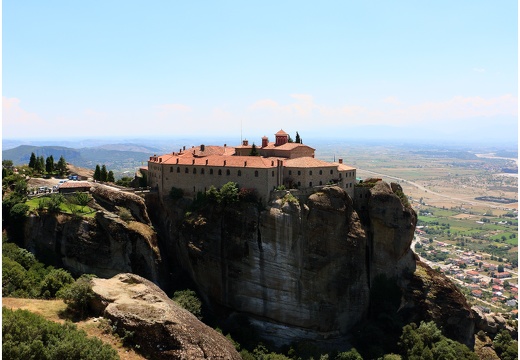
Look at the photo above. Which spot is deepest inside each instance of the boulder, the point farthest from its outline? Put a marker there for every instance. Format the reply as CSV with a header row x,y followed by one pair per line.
x,y
162,329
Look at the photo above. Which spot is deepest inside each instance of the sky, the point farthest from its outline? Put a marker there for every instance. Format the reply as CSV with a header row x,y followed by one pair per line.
x,y
412,69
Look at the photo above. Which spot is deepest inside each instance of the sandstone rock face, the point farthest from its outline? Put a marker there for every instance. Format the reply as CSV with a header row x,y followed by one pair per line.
x,y
431,296
109,198
299,265
104,246
163,329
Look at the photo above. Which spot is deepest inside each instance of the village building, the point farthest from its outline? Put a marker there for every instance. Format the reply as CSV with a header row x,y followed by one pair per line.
x,y
263,168
74,186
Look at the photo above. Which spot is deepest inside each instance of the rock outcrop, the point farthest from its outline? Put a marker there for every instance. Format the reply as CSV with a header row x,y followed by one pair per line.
x,y
103,245
431,296
162,329
491,323
298,269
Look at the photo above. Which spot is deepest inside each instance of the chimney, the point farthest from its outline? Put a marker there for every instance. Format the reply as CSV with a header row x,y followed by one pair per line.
x,y
272,162
340,161
265,141
225,145
245,163
193,162
177,161
245,143
202,147
206,161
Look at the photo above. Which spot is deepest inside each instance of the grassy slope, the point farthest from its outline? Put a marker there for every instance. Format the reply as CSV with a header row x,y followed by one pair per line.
x,y
52,310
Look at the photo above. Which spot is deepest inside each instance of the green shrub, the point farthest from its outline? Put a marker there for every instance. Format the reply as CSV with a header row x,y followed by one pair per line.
x,y
29,336
188,300
78,294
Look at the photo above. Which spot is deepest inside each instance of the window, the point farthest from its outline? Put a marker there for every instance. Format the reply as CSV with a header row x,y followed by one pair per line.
x,y
340,175
194,170
228,172
171,168
256,173
239,172
310,172
299,172
290,172
202,171
211,171
310,183
186,170
299,183
219,172
272,173
178,169
321,183
331,171
321,172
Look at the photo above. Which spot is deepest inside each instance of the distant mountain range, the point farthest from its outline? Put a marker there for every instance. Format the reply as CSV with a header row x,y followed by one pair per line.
x,y
117,157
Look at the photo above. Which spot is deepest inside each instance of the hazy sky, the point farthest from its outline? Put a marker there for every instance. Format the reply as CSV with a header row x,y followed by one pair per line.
x,y
324,68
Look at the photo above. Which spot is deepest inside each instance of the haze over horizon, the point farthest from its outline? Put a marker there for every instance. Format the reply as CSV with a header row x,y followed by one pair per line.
x,y
366,70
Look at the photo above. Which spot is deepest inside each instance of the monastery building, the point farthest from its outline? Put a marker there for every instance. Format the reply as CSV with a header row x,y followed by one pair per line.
x,y
276,163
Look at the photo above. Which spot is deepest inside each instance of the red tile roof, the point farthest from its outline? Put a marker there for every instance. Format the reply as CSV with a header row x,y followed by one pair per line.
x,y
306,162
281,132
223,160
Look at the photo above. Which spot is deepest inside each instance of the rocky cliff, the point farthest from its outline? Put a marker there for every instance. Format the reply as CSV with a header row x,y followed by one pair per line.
x,y
298,269
104,245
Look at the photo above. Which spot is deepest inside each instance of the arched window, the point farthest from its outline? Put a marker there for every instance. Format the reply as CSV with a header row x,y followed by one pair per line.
x,y
310,183
299,172
290,172
321,183
228,172
202,171
272,173
171,168
299,183
310,172
186,170
178,169
321,172
211,171
331,171
239,172
256,173
340,175
219,171
194,170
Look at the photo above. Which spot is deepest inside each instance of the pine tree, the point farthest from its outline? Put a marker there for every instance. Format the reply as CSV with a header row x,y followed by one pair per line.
x,y
32,161
298,140
49,164
61,166
40,164
104,173
97,173
110,176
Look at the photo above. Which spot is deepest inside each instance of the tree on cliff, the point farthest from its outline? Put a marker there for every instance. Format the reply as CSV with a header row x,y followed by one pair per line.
x,y
188,300
32,161
49,164
97,173
61,166
104,173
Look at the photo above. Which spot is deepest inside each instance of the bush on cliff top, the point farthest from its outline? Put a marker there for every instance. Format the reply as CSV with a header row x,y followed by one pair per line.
x,y
29,336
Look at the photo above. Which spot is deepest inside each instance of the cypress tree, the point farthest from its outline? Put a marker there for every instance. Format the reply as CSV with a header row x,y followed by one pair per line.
x,y
32,161
104,173
97,173
110,176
